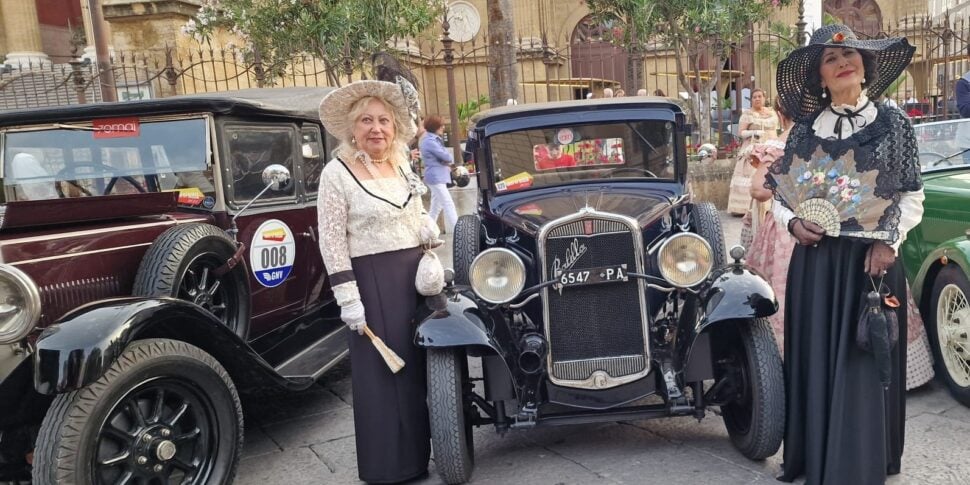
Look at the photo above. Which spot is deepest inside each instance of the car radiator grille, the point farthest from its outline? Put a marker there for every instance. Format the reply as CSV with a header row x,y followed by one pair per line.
x,y
594,328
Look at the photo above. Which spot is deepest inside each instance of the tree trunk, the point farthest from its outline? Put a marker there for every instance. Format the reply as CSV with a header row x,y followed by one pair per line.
x,y
503,83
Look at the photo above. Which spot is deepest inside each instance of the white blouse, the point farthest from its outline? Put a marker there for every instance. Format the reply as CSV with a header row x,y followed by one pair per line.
x,y
353,223
910,203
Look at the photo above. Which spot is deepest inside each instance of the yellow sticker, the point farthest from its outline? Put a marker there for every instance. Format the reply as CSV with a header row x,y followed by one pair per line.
x,y
192,196
518,181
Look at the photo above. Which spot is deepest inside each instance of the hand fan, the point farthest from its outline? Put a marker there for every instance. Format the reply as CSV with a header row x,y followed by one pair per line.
x,y
831,193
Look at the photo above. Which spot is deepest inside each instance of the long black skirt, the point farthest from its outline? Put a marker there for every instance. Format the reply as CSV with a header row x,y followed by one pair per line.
x,y
390,411
841,425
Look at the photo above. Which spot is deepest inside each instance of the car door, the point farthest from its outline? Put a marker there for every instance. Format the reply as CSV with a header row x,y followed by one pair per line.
x,y
274,227
313,159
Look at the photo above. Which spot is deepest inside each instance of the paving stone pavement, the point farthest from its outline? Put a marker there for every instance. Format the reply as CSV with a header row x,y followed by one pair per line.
x,y
308,438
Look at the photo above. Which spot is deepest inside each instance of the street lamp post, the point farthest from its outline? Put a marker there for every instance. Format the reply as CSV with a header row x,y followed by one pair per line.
x,y
449,58
802,34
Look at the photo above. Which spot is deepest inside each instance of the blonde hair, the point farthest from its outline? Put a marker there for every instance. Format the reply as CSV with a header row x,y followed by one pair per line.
x,y
347,149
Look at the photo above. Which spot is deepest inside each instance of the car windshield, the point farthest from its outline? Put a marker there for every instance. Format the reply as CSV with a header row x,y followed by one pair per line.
x,y
571,153
110,157
943,144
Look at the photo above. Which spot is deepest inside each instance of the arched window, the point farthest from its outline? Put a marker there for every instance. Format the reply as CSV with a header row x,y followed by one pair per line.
x,y
593,52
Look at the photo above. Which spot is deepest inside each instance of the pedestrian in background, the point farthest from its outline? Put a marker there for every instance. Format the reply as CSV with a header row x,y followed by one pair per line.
x,y
757,125
438,161
372,229
846,407
963,105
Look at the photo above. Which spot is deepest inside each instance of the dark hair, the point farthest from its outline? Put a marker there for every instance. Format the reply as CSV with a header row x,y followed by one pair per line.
x,y
813,79
780,108
433,123
759,90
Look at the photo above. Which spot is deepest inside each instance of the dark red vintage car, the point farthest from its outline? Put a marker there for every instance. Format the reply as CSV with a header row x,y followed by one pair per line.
x,y
157,259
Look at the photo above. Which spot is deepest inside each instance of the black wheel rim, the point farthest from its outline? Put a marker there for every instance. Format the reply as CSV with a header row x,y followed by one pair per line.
x,y
218,295
739,413
163,431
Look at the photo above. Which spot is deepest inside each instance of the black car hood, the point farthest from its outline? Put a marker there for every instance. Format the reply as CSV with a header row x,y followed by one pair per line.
x,y
532,212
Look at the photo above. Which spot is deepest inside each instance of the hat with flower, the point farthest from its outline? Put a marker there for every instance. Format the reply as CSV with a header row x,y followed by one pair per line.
x,y
892,56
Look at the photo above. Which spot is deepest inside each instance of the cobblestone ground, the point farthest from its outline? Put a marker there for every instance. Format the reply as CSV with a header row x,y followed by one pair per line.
x,y
308,438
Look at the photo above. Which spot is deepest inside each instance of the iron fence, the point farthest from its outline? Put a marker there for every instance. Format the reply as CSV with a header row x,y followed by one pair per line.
x,y
585,63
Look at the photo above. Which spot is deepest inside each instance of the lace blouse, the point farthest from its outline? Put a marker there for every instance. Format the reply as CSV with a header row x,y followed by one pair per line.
x,y
354,223
894,152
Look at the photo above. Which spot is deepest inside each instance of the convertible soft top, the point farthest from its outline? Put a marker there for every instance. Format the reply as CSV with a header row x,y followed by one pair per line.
x,y
295,102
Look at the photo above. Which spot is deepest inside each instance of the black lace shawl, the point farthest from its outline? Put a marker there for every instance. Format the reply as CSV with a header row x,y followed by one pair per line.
x,y
888,145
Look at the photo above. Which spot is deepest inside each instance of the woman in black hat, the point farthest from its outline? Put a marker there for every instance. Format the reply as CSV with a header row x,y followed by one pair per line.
x,y
842,424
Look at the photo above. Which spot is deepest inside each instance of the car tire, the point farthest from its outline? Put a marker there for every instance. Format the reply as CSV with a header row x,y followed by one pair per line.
x,y
467,245
164,412
755,420
948,332
707,223
451,430
180,263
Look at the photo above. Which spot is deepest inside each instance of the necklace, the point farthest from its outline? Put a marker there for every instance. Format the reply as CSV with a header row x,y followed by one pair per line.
x,y
379,160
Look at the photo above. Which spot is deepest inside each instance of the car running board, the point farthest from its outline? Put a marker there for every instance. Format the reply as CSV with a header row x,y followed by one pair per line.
x,y
318,358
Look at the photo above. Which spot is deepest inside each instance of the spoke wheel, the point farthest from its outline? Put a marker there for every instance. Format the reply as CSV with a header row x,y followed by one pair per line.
x,y
164,413
953,327
949,330
201,286
161,432
182,263
754,414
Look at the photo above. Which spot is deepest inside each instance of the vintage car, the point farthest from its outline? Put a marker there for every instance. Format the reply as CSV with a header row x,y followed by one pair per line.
x,y
592,288
937,252
157,259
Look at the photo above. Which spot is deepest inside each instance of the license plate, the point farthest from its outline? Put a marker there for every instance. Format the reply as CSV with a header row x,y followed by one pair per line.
x,y
593,276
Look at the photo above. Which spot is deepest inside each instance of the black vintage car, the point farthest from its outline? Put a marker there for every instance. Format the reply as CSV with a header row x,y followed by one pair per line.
x,y
592,288
157,259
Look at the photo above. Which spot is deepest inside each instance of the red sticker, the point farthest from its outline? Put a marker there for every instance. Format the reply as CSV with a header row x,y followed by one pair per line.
x,y
117,128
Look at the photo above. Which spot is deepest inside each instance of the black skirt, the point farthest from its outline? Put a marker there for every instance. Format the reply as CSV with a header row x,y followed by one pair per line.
x,y
841,425
390,412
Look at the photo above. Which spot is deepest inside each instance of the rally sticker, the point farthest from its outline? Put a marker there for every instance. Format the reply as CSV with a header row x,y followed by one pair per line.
x,y
564,136
272,253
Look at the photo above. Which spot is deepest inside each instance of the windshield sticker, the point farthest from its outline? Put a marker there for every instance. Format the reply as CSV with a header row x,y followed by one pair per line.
x,y
565,136
272,253
597,151
190,196
116,128
518,181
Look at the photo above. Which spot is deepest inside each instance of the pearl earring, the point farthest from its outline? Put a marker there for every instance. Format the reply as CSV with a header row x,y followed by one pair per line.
x,y
824,94
863,80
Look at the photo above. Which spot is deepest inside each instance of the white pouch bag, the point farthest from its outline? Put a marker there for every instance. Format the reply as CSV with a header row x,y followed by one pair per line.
x,y
431,275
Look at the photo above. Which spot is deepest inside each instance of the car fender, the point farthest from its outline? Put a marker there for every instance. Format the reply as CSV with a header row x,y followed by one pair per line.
x,y
735,292
956,251
80,347
462,324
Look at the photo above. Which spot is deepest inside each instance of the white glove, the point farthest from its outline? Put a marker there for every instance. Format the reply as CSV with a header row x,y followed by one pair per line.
x,y
429,232
752,133
353,315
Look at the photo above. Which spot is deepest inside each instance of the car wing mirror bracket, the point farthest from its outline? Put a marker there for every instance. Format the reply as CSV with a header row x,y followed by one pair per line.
x,y
276,177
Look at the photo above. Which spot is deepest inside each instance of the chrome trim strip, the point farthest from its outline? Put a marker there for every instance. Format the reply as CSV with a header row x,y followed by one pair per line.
x,y
65,235
83,253
599,380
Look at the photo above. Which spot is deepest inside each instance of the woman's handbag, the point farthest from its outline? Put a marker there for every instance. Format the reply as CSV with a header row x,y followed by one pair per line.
x,y
878,329
430,279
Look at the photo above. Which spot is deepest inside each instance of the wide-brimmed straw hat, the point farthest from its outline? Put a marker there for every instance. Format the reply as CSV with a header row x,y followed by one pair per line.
x,y
335,106
892,57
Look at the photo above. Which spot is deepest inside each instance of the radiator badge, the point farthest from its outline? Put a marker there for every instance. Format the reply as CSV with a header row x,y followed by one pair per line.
x,y
575,251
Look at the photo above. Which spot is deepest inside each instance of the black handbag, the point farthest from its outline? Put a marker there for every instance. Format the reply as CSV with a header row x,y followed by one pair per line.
x,y
877,331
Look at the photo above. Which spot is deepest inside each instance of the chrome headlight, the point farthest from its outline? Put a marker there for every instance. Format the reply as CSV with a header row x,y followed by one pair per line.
x,y
497,275
19,304
685,259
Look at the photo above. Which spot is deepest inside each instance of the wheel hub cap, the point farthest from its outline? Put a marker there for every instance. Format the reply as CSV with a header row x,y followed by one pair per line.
x,y
165,450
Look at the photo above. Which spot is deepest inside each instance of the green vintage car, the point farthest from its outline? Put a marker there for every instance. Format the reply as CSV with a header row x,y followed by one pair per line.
x,y
937,252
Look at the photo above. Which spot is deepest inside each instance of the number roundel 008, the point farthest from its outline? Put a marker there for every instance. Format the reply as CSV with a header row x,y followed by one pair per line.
x,y
272,253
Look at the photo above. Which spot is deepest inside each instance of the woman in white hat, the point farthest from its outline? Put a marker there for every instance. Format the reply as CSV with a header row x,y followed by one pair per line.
x,y
372,229
845,406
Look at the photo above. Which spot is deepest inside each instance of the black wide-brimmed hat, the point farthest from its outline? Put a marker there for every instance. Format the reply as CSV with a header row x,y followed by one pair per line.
x,y
892,57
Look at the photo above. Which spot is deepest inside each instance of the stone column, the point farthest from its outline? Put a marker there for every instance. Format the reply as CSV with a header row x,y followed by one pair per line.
x,y
89,50
22,31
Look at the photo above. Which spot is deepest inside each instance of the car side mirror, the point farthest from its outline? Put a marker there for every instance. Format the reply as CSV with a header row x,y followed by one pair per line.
x,y
276,177
309,152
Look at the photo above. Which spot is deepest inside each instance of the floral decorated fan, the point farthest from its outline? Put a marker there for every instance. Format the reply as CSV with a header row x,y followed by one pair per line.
x,y
831,193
